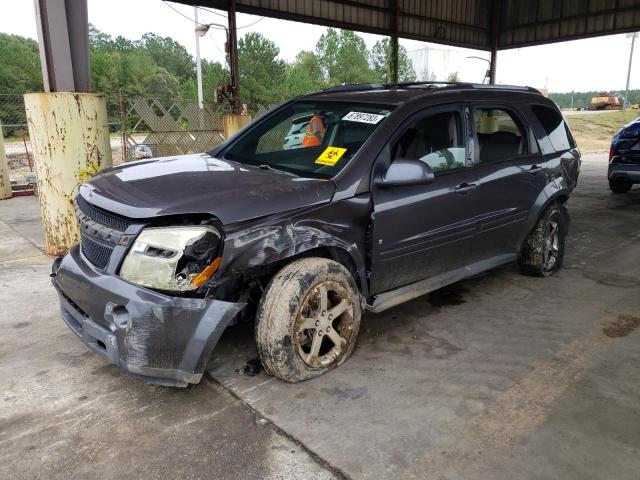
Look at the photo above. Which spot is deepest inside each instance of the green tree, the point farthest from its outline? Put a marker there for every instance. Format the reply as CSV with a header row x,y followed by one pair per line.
x,y
213,75
124,45
343,58
380,59
262,74
99,39
304,75
170,55
162,85
298,80
310,62
19,73
20,65
453,77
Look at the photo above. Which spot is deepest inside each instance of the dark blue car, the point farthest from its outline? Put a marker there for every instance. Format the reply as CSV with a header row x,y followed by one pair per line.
x,y
624,158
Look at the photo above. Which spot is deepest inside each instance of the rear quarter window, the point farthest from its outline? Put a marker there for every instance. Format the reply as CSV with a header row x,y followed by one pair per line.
x,y
555,127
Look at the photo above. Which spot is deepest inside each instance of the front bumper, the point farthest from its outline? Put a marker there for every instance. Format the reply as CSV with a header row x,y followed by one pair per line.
x,y
161,339
624,171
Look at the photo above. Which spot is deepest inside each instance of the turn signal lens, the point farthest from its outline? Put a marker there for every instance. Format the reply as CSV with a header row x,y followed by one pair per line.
x,y
206,274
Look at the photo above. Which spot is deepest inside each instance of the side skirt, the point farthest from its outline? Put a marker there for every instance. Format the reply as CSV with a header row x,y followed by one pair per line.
x,y
400,295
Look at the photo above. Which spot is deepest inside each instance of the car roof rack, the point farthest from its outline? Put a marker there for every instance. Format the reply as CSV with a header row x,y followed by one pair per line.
x,y
353,86
379,86
432,84
520,88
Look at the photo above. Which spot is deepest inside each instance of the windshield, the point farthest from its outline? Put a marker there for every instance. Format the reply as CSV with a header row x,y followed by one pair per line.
x,y
308,138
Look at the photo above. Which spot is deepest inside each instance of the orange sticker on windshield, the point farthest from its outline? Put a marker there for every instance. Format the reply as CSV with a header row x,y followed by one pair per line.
x,y
330,156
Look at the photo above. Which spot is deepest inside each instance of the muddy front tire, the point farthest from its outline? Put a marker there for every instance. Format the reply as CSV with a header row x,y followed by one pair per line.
x,y
308,319
543,250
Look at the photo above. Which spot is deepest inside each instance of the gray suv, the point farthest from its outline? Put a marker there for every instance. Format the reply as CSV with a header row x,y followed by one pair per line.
x,y
393,191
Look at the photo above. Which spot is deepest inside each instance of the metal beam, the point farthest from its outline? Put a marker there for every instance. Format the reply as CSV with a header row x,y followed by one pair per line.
x,y
393,61
63,33
495,36
233,58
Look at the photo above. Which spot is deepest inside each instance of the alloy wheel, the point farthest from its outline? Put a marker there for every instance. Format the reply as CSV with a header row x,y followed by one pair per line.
x,y
551,245
324,327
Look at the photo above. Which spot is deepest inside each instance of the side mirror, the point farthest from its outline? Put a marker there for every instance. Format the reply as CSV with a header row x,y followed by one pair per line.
x,y
404,172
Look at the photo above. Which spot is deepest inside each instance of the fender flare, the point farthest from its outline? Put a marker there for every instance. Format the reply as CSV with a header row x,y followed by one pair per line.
x,y
552,192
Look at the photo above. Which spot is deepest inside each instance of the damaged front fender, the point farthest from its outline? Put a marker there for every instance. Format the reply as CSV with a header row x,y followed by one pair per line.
x,y
340,226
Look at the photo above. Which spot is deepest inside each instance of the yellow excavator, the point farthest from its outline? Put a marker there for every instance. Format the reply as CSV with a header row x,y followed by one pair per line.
x,y
606,101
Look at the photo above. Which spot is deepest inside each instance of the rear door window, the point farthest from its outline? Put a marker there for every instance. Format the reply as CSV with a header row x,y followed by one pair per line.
x,y
499,134
555,127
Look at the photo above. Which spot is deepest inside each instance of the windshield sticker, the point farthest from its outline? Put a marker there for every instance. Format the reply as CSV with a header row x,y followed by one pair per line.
x,y
330,156
363,117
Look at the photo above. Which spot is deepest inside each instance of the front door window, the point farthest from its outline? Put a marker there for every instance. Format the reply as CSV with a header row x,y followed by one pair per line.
x,y
435,140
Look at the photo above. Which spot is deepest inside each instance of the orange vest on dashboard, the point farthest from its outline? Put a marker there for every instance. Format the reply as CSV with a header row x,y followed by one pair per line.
x,y
313,135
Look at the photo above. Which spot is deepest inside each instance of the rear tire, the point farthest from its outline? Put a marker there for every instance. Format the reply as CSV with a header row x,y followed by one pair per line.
x,y
308,319
543,250
620,186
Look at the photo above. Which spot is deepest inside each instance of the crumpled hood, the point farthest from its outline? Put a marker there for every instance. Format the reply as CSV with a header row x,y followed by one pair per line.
x,y
199,183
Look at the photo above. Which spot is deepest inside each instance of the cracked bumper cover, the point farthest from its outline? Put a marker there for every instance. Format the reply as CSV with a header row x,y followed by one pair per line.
x,y
158,338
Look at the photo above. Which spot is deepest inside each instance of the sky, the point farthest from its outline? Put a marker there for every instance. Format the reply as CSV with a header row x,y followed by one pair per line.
x,y
593,64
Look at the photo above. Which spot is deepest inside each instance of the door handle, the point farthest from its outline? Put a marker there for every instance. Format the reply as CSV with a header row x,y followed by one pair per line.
x,y
534,169
465,188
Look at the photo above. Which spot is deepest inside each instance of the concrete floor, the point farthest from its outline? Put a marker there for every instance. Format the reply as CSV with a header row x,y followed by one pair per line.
x,y
501,376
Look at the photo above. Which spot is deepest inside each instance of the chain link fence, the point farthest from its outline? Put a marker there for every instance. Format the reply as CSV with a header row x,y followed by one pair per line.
x,y
15,134
139,127
159,129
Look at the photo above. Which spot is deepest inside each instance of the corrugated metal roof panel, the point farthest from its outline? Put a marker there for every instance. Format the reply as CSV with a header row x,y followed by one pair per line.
x,y
464,23
545,21
453,22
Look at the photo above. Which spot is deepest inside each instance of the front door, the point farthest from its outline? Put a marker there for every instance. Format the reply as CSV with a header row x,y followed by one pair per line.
x,y
421,231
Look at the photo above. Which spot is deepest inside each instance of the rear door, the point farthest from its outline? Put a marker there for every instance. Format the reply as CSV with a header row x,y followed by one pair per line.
x,y
510,175
421,231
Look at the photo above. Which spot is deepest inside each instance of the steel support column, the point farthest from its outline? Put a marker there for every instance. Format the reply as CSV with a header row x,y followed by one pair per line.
x,y
492,66
233,58
67,124
63,34
70,142
393,61
495,37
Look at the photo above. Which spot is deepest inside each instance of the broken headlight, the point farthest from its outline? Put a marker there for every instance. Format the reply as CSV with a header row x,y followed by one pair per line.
x,y
176,259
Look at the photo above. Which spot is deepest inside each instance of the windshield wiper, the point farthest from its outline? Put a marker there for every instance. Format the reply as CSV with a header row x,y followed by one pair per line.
x,y
264,166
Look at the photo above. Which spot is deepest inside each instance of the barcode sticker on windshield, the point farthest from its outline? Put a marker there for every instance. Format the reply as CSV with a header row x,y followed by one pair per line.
x,y
363,117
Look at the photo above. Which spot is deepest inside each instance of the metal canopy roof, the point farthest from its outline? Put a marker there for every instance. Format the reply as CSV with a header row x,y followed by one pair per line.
x,y
481,24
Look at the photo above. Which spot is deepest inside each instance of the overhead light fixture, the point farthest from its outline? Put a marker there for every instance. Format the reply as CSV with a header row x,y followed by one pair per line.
x,y
203,29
